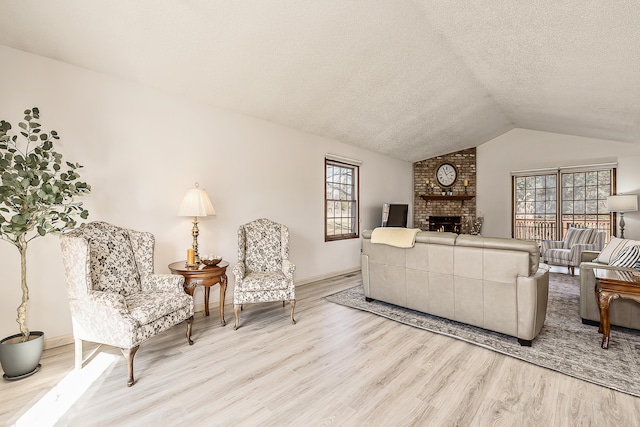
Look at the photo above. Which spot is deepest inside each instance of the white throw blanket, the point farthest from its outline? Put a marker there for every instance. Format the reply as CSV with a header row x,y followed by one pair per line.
x,y
395,236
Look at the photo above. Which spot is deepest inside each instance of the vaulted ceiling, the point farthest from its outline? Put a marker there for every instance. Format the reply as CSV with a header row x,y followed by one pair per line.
x,y
410,79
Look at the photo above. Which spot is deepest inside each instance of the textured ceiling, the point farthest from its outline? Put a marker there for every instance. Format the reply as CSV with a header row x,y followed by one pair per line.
x,y
410,79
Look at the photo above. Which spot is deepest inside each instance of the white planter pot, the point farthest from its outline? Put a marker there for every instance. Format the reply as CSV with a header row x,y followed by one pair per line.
x,y
21,359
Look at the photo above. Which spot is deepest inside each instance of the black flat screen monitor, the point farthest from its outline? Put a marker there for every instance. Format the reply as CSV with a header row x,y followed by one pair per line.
x,y
394,215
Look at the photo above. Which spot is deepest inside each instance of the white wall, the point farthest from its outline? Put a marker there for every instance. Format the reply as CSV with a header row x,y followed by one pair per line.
x,y
522,149
142,150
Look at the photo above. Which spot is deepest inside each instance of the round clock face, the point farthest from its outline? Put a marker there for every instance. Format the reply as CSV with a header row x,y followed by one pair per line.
x,y
446,174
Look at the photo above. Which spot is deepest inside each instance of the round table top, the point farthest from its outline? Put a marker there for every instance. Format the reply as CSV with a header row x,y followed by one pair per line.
x,y
181,267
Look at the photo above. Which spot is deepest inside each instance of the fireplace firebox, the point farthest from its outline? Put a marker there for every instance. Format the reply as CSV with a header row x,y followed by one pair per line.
x,y
445,223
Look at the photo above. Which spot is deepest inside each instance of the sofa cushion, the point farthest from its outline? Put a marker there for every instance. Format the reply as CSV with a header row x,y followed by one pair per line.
x,y
627,257
146,308
264,281
613,248
113,266
578,235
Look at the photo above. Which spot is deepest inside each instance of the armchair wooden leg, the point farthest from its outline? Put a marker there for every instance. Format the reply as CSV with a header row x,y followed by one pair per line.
x,y
189,328
293,306
78,357
128,354
572,268
236,310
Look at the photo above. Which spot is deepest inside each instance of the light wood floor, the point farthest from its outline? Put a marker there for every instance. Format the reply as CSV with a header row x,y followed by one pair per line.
x,y
337,366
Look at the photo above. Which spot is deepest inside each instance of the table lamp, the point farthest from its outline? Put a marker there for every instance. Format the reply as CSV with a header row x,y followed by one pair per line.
x,y
196,203
622,203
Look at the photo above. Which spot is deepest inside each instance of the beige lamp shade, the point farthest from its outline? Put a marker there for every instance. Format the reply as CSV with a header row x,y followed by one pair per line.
x,y
622,203
196,203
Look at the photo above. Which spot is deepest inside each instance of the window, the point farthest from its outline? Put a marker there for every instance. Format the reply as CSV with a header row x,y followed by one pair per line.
x,y
584,200
535,203
341,200
547,203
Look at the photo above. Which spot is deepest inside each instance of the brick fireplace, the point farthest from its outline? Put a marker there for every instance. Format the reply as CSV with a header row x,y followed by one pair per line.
x,y
424,210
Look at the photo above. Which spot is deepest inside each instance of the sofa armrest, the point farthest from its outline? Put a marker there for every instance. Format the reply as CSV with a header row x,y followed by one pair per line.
x,y
550,244
588,256
587,286
288,268
239,270
532,294
364,266
577,249
103,317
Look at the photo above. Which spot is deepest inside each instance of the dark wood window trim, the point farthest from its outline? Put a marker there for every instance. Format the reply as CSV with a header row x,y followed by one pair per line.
x,y
349,195
559,229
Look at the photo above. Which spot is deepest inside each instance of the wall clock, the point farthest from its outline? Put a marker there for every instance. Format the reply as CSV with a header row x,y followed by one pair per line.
x,y
446,174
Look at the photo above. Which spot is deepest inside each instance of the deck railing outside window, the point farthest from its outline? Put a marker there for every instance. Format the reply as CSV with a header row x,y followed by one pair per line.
x,y
539,230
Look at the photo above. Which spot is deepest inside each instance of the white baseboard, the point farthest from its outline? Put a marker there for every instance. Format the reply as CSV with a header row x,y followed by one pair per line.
x,y
57,341
326,276
199,308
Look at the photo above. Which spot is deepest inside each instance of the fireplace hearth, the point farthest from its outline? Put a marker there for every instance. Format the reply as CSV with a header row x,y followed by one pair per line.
x,y
445,223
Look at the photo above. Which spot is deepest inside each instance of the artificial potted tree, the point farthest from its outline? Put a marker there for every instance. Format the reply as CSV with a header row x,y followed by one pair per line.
x,y
37,191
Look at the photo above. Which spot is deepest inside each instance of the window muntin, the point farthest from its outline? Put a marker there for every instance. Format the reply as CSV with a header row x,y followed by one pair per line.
x,y
535,207
584,200
546,205
341,200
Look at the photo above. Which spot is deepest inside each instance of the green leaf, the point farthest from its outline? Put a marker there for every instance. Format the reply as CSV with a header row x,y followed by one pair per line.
x,y
33,199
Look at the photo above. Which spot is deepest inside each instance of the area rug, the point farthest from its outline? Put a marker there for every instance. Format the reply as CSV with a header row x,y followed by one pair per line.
x,y
564,345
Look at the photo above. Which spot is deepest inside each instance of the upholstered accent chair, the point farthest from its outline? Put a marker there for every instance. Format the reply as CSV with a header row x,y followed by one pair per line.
x,y
263,272
568,252
115,297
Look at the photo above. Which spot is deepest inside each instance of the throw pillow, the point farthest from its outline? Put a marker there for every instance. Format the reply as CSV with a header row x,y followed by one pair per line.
x,y
578,235
613,248
627,257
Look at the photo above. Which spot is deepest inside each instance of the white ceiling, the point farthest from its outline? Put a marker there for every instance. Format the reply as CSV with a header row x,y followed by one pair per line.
x,y
410,79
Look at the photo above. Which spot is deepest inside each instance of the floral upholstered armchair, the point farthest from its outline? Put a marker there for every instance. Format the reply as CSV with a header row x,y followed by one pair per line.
x,y
568,252
263,272
114,296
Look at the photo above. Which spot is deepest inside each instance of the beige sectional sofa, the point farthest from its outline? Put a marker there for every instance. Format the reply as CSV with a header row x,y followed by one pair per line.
x,y
493,283
622,312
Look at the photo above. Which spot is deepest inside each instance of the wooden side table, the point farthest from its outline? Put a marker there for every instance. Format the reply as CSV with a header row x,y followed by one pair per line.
x,y
610,285
207,276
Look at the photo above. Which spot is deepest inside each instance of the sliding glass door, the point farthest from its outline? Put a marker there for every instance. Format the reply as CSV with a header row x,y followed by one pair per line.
x,y
546,203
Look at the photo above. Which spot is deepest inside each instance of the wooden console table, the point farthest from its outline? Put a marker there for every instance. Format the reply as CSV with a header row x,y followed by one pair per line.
x,y
207,276
610,285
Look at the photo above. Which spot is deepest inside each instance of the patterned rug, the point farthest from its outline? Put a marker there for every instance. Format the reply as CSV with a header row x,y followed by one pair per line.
x,y
564,345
